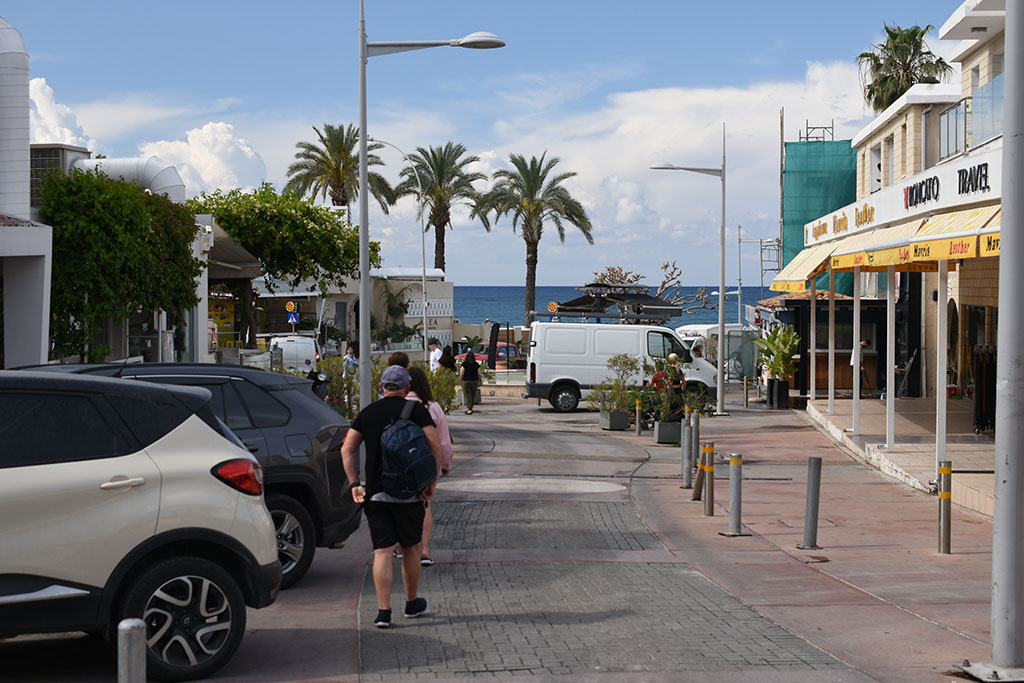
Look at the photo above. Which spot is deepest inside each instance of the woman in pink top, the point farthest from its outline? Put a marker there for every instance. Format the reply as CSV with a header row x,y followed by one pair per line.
x,y
419,390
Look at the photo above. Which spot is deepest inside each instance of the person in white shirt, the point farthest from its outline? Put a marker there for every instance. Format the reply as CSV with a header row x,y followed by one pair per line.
x,y
435,354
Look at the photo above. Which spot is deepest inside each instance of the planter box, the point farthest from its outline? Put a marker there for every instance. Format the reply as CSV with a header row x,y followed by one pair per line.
x,y
782,394
667,432
770,397
614,421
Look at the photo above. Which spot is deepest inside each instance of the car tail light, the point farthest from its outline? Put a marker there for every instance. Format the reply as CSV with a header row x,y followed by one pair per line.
x,y
533,372
241,474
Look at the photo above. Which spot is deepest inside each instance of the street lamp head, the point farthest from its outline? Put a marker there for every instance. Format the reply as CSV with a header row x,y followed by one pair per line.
x,y
480,40
663,167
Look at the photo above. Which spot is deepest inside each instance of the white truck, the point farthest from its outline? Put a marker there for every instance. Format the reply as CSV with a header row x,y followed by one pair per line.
x,y
567,359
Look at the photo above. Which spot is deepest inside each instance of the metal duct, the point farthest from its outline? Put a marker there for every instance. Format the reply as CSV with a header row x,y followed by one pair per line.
x,y
14,123
153,174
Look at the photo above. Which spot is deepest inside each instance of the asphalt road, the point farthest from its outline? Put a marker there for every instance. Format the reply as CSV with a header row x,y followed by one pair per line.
x,y
545,570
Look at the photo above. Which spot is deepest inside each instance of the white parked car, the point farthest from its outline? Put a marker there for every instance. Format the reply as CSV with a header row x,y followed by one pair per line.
x,y
127,499
567,359
298,353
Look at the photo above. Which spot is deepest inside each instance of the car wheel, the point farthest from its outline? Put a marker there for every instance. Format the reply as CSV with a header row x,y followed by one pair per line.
x,y
296,537
696,388
194,614
564,398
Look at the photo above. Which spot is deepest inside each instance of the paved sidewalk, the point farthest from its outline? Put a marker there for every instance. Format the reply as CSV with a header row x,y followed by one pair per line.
x,y
876,595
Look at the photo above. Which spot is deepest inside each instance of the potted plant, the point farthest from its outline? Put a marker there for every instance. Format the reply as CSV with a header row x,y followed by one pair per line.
x,y
778,348
666,391
615,395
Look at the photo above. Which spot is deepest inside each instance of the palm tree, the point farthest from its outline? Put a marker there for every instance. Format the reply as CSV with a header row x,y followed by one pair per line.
x,y
332,168
893,66
446,183
532,197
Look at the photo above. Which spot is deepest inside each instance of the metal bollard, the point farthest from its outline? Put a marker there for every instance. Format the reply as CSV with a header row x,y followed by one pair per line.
x,y
945,502
131,651
685,450
746,393
735,496
811,511
698,483
695,441
709,478
638,419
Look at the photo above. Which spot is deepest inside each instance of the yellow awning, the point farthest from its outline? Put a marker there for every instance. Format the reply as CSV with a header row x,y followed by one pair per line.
x,y
852,251
949,236
808,263
988,237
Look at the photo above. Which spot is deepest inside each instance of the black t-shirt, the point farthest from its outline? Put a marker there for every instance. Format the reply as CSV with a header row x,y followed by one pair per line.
x,y
371,423
470,370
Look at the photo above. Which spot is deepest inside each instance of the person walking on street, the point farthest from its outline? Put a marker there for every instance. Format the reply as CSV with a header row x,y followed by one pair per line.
x,y
420,391
351,363
447,359
390,520
435,354
469,373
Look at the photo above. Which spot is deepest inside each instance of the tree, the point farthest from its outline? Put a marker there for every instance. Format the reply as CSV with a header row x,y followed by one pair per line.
x,y
670,289
532,195
332,168
891,67
116,250
293,238
446,183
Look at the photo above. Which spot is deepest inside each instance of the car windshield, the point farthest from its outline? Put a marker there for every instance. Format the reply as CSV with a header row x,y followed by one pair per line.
x,y
480,348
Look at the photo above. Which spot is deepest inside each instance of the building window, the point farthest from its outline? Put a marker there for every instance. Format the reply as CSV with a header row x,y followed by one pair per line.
x,y
890,161
997,64
904,171
875,169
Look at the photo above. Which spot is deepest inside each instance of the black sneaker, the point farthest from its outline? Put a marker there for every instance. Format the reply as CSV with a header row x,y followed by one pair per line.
x,y
414,608
383,619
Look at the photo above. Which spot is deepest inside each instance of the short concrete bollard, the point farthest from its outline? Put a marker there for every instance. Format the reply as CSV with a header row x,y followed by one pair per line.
x,y
685,451
945,504
735,496
811,511
131,651
709,478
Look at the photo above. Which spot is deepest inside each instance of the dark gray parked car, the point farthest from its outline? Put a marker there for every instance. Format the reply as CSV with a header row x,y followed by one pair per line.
x,y
294,435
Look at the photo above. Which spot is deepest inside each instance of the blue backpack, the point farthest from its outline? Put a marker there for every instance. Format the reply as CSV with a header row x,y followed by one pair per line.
x,y
407,463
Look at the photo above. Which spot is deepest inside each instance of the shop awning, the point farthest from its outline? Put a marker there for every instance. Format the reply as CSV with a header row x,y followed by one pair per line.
x,y
952,235
988,236
877,249
809,262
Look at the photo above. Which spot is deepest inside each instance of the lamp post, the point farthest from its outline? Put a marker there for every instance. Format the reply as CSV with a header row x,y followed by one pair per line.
x,y
479,40
423,243
720,172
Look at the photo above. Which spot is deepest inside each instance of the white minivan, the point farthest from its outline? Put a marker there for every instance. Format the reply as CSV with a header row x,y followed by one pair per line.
x,y
298,353
567,359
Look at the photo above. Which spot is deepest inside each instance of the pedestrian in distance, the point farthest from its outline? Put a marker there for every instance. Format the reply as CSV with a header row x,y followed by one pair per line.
x,y
420,391
435,354
390,520
350,360
865,344
469,373
447,359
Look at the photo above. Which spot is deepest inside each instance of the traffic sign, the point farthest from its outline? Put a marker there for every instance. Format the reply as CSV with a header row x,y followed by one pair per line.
x,y
293,318
290,307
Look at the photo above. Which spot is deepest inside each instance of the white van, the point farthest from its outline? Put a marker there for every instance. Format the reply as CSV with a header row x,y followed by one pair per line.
x,y
567,359
298,353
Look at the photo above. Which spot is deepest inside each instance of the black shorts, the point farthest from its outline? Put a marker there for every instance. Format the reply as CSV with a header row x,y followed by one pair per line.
x,y
392,523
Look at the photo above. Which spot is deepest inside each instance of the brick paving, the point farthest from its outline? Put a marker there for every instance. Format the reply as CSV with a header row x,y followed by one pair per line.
x,y
547,618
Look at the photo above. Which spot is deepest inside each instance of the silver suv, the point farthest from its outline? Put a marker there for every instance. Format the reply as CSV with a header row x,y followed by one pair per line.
x,y
127,499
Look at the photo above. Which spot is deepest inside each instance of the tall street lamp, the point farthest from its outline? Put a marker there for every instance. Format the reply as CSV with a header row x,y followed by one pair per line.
x,y
479,40
720,172
423,242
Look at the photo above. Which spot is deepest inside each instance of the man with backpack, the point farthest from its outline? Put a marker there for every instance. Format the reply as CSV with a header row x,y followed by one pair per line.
x,y
403,457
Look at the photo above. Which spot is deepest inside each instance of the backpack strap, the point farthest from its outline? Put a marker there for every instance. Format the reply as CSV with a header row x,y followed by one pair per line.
x,y
407,409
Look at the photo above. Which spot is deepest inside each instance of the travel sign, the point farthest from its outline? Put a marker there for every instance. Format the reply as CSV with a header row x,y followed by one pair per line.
x,y
968,180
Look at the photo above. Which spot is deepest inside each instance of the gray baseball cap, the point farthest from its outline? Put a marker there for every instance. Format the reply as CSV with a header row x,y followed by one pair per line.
x,y
395,377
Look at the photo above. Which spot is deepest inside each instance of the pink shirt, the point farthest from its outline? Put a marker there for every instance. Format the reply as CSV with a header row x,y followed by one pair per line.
x,y
441,422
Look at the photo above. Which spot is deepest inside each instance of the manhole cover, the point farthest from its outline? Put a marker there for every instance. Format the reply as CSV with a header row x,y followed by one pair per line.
x,y
531,484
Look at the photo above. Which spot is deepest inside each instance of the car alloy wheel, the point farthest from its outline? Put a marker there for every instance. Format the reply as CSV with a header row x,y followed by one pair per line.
x,y
290,539
188,620
296,537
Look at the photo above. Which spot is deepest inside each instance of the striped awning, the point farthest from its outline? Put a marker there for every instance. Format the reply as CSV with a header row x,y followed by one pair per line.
x,y
952,235
808,263
988,236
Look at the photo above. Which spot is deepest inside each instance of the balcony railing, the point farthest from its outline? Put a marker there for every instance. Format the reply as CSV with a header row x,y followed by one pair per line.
x,y
973,120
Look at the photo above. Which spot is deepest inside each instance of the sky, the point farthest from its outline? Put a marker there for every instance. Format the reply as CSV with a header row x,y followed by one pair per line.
x,y
225,89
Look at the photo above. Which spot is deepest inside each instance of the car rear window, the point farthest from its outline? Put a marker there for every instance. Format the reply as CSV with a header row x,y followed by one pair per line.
x,y
150,419
39,428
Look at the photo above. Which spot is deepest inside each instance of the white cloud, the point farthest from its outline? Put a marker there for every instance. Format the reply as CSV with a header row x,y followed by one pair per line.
x,y
119,117
211,157
50,121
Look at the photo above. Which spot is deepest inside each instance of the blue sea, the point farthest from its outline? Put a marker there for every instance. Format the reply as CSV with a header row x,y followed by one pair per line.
x,y
506,304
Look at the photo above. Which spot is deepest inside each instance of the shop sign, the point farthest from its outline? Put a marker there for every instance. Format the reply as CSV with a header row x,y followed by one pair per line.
x,y
973,179
818,229
922,191
840,224
862,215
990,244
